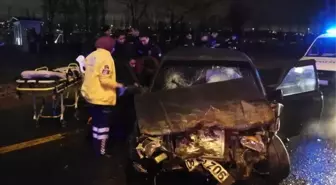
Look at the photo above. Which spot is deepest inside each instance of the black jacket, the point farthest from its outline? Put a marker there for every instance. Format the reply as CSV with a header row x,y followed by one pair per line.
x,y
150,49
122,54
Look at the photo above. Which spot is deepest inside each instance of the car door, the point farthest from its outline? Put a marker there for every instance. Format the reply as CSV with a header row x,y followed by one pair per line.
x,y
302,98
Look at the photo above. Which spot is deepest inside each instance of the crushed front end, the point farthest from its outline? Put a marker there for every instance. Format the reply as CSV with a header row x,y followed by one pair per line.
x,y
227,153
215,129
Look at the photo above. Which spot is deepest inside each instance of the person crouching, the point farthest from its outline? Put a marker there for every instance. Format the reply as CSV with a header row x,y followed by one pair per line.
x,y
99,90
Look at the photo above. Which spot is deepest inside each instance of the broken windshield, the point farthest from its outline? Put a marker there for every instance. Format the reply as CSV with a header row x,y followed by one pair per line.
x,y
186,74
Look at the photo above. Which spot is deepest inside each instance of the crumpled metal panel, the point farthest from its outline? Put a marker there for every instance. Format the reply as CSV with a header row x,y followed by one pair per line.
x,y
202,143
236,104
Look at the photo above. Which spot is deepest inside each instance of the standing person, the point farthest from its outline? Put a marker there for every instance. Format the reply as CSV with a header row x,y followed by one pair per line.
x,y
133,37
148,48
123,53
204,41
213,40
188,41
105,30
99,90
145,65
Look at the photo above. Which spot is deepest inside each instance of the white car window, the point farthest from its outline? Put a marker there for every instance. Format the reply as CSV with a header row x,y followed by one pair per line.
x,y
221,74
299,80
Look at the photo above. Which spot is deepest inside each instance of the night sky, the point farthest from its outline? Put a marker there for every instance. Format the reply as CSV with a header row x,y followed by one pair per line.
x,y
263,11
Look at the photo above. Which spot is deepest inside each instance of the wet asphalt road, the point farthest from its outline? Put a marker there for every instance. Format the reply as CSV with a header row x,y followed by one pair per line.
x,y
70,160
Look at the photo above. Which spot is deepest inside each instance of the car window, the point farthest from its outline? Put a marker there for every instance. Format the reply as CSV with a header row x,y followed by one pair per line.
x,y
299,80
179,76
323,47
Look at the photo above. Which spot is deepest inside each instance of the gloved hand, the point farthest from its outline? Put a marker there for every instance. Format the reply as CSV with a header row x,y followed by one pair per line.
x,y
121,91
134,89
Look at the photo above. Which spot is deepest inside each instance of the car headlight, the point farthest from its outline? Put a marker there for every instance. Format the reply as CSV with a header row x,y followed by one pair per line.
x,y
253,142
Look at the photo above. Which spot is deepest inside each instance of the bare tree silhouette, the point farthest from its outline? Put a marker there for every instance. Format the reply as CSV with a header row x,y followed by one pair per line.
x,y
136,8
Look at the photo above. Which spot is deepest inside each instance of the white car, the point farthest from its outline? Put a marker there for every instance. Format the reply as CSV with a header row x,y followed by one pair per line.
x,y
323,51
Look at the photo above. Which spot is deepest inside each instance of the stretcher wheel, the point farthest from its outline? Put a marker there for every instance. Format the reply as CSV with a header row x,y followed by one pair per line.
x,y
77,115
37,124
63,123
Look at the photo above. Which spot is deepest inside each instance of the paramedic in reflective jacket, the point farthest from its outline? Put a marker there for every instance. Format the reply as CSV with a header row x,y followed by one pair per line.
x,y
99,89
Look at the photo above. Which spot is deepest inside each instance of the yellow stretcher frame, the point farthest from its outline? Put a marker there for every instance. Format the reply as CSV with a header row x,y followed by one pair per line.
x,y
57,92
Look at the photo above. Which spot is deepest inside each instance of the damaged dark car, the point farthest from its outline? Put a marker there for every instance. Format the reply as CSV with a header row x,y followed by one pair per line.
x,y
207,112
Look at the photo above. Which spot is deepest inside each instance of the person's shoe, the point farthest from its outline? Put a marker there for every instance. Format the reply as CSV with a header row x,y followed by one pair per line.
x,y
106,155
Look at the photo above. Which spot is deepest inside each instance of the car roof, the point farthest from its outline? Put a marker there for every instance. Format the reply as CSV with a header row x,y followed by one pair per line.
x,y
211,54
326,35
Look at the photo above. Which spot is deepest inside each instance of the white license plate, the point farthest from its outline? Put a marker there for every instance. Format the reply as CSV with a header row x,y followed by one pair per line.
x,y
217,170
323,82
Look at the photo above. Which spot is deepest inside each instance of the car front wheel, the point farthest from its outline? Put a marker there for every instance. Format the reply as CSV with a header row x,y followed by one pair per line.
x,y
133,176
278,160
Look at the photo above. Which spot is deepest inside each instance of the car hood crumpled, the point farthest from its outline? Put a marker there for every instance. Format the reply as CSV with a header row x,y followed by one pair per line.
x,y
236,104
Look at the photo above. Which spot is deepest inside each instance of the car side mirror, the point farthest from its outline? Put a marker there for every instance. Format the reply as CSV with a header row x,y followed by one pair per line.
x,y
275,95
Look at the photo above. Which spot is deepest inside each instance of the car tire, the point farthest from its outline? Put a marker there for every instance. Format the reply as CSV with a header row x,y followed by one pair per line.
x,y
278,161
132,175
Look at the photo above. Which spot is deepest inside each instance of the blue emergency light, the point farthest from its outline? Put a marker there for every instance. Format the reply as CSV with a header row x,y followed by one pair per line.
x,y
332,31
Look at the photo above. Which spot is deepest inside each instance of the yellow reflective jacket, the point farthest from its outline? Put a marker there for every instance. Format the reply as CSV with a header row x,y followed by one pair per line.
x,y
99,86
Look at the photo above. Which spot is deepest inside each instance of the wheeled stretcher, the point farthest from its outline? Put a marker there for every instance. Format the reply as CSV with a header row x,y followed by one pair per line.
x,y
58,84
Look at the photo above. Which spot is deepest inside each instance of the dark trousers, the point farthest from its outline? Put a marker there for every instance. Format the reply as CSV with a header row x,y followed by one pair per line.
x,y
124,118
101,119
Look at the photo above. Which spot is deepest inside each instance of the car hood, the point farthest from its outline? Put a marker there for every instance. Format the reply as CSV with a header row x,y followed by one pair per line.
x,y
236,104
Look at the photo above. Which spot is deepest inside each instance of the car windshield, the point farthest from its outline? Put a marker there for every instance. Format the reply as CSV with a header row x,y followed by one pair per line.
x,y
323,47
185,74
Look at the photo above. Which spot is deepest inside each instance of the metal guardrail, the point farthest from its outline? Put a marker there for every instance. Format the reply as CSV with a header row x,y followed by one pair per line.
x,y
7,90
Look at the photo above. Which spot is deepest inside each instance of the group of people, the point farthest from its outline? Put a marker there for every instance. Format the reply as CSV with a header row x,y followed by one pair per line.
x,y
206,40
109,70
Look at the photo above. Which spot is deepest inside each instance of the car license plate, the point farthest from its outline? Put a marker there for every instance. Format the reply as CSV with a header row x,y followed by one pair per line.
x,y
192,164
216,170
323,82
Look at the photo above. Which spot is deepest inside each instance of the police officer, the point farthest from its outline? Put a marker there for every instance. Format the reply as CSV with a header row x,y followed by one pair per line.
x,y
147,47
99,90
